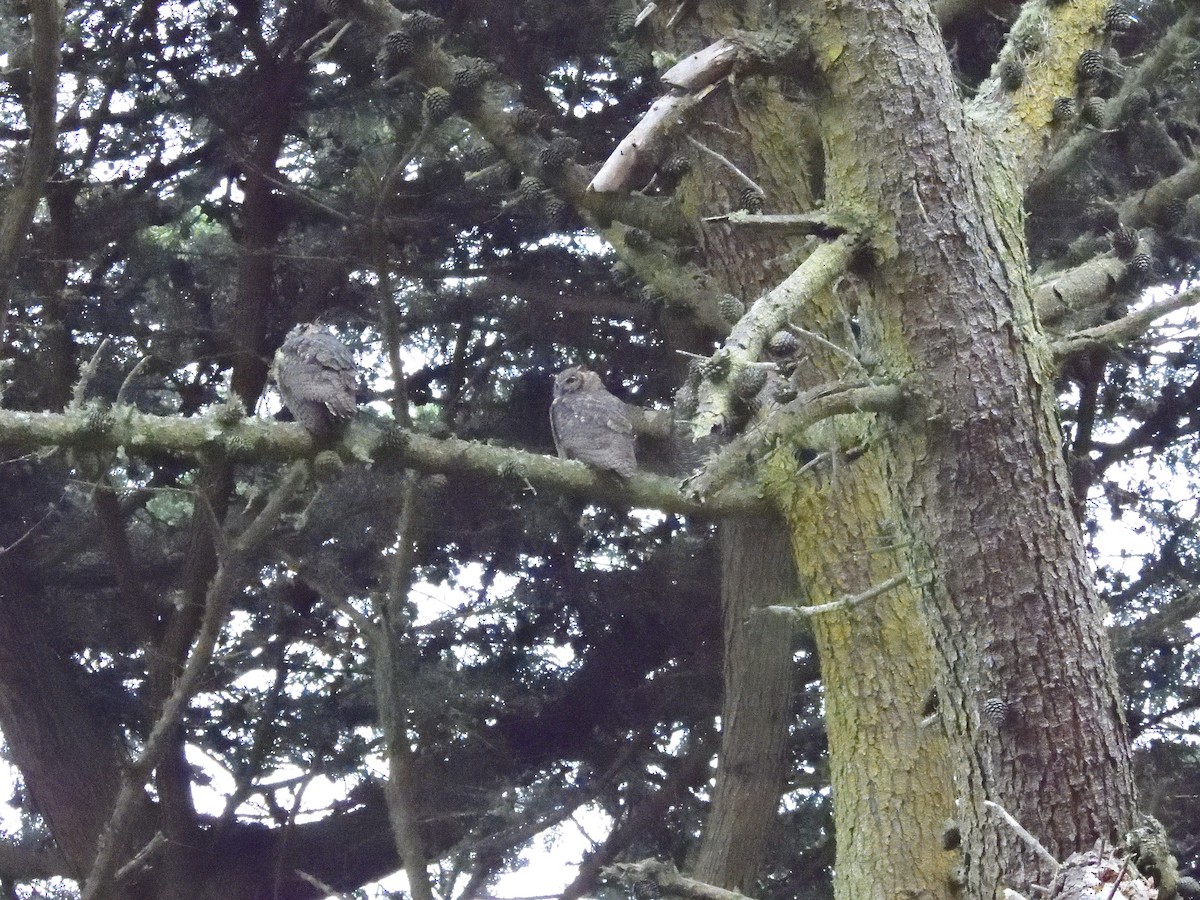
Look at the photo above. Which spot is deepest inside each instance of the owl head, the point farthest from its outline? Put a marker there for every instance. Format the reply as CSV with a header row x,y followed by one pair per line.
x,y
575,379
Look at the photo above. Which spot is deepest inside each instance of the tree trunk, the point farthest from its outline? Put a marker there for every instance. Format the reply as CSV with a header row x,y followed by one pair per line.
x,y
756,571
975,466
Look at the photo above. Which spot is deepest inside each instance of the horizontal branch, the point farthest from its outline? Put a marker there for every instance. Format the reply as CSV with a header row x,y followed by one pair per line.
x,y
669,881
844,602
822,225
150,436
1146,208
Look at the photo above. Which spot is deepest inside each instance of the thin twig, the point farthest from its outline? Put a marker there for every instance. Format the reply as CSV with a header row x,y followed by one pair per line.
x,y
842,351
32,528
129,379
1117,883
88,373
645,14
320,885
1028,838
842,602
140,858
746,179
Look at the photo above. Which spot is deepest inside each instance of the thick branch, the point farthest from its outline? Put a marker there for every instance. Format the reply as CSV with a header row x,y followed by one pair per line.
x,y
669,881
821,403
1124,329
255,439
769,314
1146,208
1083,287
46,20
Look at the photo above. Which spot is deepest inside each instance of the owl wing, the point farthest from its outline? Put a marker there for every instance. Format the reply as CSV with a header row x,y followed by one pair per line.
x,y
594,428
558,411
326,373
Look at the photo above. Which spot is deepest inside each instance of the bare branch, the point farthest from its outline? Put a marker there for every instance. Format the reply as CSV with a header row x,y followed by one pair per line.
x,y
822,225
1028,838
141,858
704,67
320,885
741,176
844,602
638,148
669,881
690,81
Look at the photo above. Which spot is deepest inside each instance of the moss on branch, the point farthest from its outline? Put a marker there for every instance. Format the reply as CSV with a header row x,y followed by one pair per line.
x,y
261,440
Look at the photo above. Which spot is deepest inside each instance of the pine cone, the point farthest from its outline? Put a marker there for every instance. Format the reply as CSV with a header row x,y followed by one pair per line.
x,y
783,343
1063,109
731,308
437,105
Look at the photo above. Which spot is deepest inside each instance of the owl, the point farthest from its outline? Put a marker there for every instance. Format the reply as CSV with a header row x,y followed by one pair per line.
x,y
590,424
316,377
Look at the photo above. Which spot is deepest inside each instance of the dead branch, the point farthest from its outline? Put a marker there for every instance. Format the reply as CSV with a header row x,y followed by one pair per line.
x,y
669,881
823,225
844,602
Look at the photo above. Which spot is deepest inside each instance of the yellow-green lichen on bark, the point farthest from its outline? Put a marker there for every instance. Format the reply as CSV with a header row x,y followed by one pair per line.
x,y
889,772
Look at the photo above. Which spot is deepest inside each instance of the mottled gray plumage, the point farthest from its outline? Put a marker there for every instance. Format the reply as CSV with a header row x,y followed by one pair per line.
x,y
316,377
590,424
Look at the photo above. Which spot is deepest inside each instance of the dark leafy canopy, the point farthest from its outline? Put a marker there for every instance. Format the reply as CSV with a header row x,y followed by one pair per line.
x,y
215,185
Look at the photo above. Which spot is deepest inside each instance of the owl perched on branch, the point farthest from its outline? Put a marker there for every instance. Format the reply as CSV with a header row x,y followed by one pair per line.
x,y
317,377
590,424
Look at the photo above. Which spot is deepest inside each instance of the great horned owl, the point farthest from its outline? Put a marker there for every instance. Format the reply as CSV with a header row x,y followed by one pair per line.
x,y
590,424
316,377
